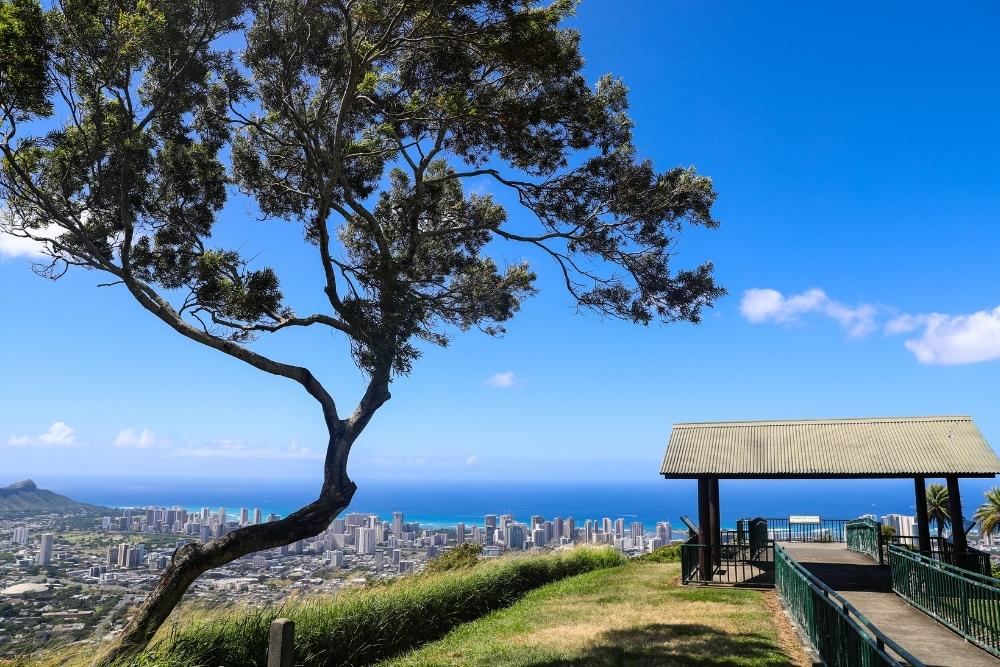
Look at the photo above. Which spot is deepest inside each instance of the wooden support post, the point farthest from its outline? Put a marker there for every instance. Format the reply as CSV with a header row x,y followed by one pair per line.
x,y
957,523
923,524
713,519
704,540
281,643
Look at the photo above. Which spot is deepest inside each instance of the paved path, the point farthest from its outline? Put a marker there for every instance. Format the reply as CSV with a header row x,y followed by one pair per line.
x,y
866,585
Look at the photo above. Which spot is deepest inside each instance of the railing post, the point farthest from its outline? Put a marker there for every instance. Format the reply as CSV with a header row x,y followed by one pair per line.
x,y
281,643
878,537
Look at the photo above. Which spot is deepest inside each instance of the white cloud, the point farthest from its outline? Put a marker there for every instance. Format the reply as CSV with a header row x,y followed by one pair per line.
x,y
504,380
905,324
235,449
472,460
141,440
57,435
14,246
769,305
949,340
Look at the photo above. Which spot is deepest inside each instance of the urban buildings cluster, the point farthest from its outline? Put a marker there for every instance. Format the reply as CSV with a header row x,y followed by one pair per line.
x,y
76,577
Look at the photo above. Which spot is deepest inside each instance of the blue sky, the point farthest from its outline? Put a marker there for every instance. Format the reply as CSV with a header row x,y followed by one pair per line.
x,y
854,149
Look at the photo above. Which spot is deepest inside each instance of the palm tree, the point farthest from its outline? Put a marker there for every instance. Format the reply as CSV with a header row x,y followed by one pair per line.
x,y
938,509
988,514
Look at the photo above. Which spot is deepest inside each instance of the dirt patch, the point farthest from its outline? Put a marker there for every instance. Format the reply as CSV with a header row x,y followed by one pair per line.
x,y
788,636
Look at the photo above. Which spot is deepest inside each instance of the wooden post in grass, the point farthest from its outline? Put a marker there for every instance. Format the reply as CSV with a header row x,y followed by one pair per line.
x,y
281,643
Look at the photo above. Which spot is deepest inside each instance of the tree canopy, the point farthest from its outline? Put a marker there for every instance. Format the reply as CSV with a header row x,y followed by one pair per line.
x,y
126,125
360,121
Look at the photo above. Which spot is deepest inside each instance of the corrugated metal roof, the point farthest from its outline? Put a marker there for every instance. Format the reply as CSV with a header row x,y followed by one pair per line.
x,y
866,447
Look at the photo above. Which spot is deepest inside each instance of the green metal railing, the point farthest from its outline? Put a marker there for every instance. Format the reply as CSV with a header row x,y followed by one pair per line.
x,y
841,634
967,602
942,550
865,536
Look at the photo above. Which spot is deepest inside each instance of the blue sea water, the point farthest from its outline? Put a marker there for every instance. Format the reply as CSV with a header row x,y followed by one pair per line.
x,y
446,502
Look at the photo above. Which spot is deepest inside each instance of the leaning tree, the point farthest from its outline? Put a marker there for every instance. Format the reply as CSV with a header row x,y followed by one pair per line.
x,y
126,123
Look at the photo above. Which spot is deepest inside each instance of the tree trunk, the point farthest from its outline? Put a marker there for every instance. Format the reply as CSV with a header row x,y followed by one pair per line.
x,y
192,560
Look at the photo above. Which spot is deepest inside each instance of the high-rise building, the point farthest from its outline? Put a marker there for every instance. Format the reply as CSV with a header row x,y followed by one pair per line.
x,y
491,520
538,537
20,535
206,515
588,531
619,528
244,516
397,525
256,515
222,516
123,551
664,532
460,533
514,535
569,528
903,525
366,541
637,532
536,521
45,549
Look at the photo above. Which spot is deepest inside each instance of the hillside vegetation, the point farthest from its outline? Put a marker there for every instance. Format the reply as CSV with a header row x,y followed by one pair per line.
x,y
578,607
26,498
631,615
364,626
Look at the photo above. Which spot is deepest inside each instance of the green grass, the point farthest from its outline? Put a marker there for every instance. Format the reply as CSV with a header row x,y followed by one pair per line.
x,y
362,627
630,615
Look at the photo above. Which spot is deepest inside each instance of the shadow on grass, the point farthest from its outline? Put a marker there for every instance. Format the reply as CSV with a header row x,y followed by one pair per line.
x,y
677,644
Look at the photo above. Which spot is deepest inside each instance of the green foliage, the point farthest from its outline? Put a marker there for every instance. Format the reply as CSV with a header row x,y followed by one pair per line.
x,y
361,123
462,556
938,506
362,627
887,531
24,43
670,553
988,514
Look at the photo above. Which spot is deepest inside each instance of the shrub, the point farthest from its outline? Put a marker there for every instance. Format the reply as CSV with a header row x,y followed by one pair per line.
x,y
668,554
462,556
364,626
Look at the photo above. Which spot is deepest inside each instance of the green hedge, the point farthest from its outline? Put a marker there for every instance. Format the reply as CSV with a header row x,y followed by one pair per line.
x,y
365,626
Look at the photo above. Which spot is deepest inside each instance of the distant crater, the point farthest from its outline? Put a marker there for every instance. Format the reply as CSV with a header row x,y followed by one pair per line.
x,y
25,497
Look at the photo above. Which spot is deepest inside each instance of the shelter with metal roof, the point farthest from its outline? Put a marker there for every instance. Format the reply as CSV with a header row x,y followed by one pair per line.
x,y
883,447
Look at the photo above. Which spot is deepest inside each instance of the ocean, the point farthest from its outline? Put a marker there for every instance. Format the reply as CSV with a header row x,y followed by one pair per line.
x,y
447,502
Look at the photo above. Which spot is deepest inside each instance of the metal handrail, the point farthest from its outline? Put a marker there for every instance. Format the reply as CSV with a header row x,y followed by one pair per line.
x,y
966,602
947,567
858,621
856,528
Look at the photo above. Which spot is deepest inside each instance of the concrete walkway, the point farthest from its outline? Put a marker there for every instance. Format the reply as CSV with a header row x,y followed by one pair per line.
x,y
866,586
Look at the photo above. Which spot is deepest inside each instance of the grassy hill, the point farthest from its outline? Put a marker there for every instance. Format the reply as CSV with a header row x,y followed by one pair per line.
x,y
631,615
26,498
581,607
